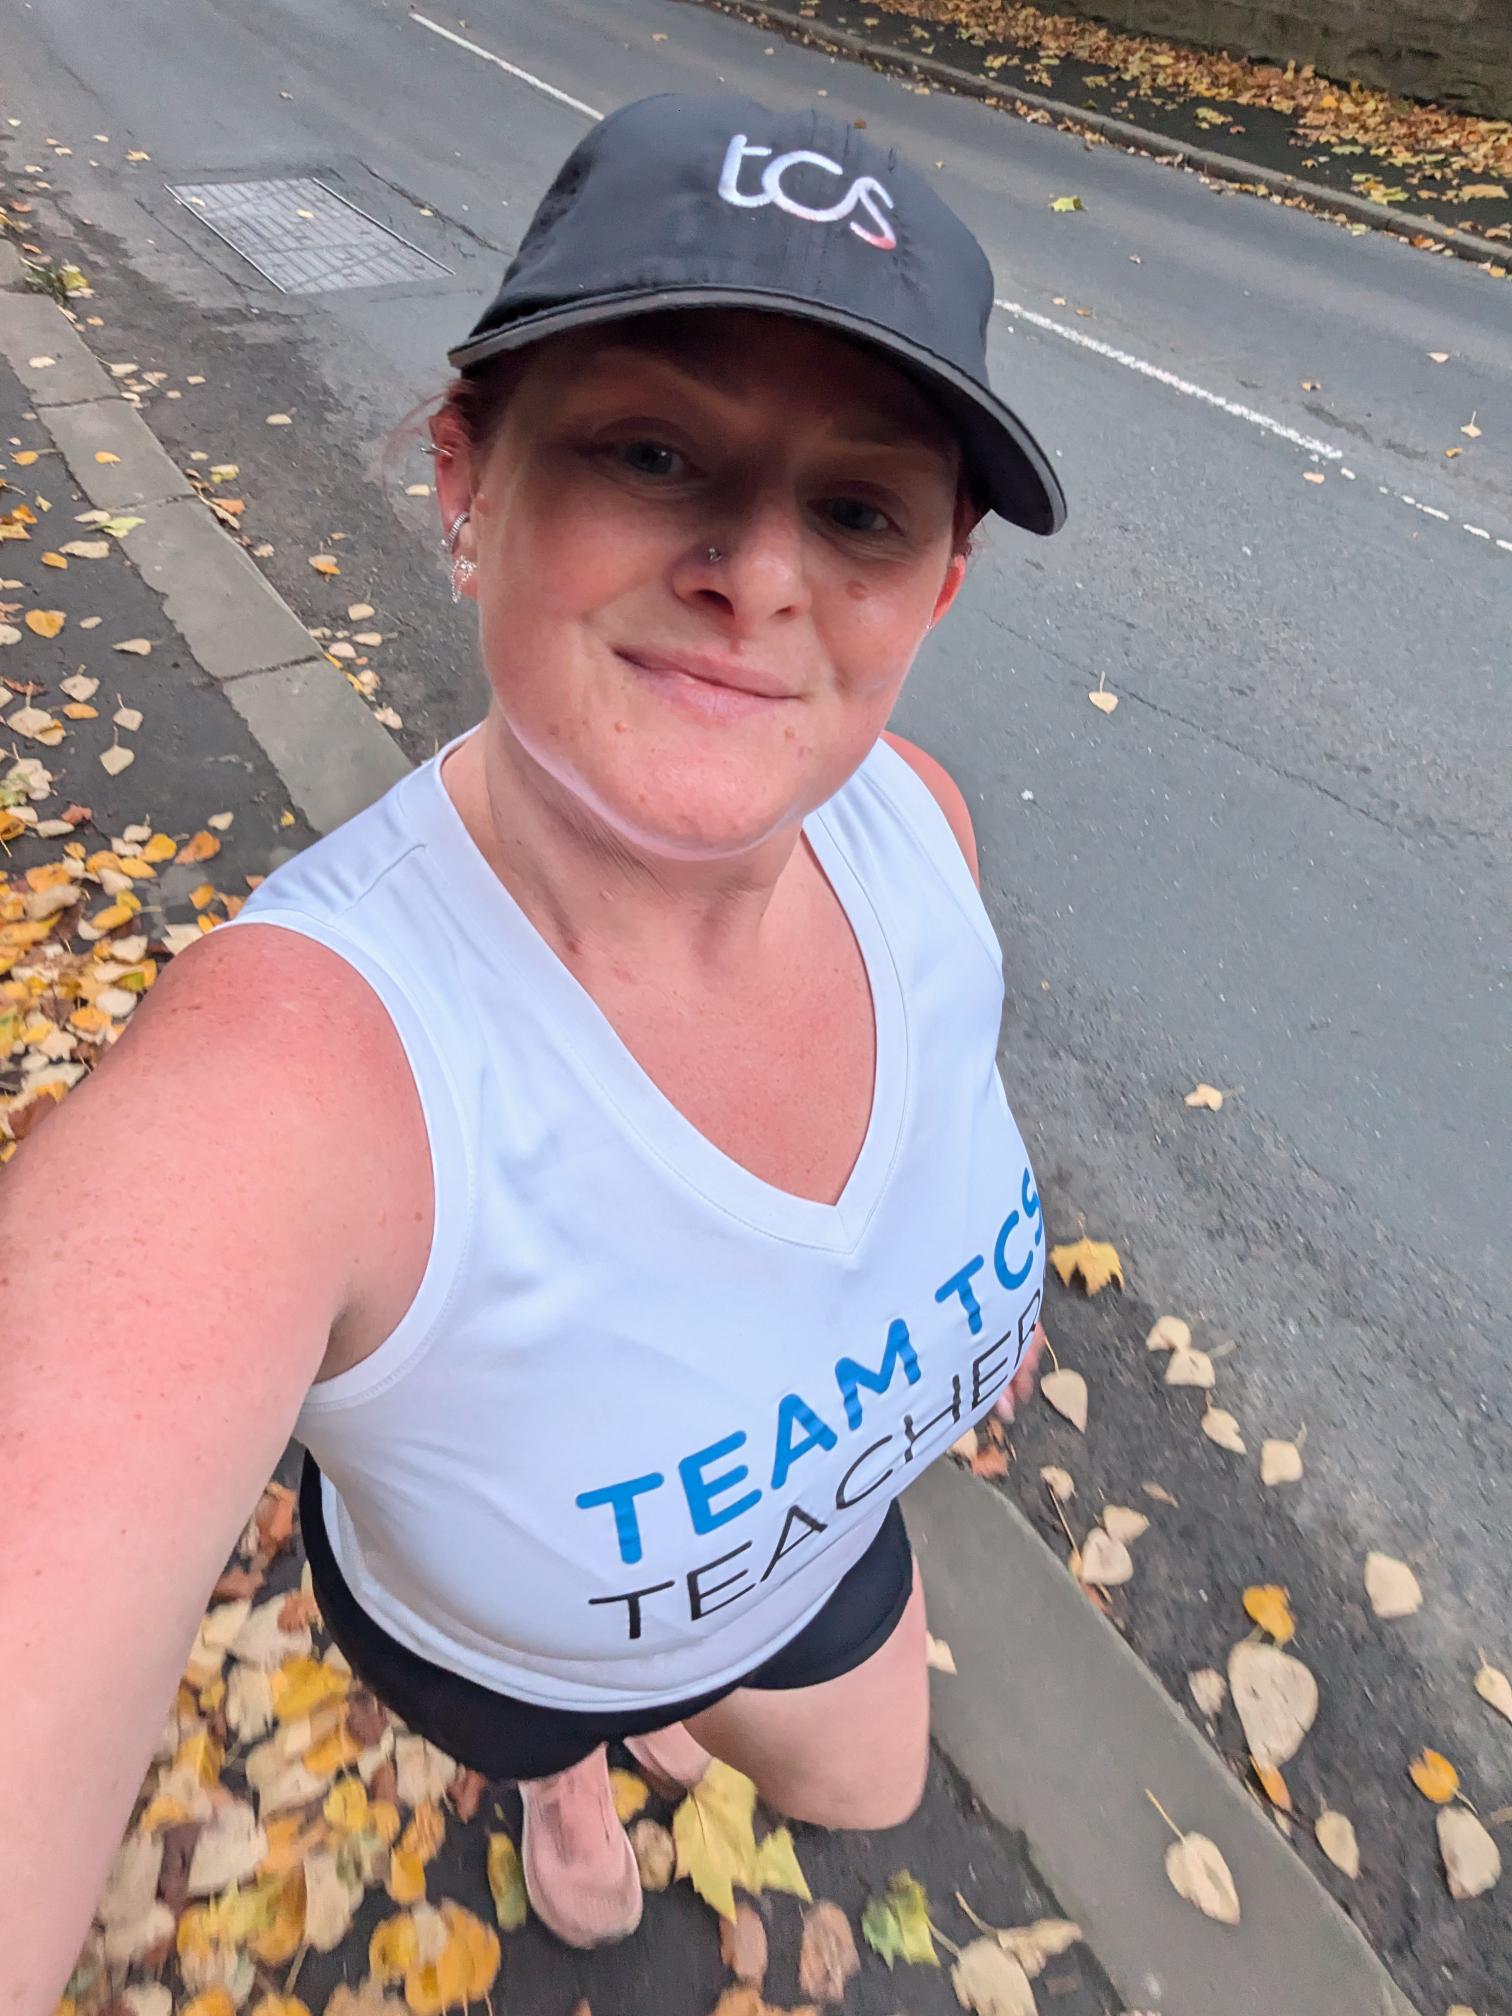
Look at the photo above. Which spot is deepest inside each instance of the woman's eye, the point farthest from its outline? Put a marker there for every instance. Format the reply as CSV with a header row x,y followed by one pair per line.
x,y
854,514
651,458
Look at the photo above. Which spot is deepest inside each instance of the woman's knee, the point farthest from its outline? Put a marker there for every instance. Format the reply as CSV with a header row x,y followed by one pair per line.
x,y
868,1808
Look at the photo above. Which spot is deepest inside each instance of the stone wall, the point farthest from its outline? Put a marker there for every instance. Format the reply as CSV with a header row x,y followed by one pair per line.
x,y
1458,52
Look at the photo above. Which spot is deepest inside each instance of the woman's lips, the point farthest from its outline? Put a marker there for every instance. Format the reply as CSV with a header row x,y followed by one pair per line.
x,y
713,687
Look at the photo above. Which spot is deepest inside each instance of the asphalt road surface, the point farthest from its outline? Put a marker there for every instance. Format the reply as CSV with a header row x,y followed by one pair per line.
x,y
1280,866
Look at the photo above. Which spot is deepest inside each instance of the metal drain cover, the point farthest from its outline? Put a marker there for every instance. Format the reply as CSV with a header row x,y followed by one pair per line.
x,y
303,236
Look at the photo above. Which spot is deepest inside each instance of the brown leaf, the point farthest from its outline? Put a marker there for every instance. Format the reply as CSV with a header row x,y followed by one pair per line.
x,y
275,1509
743,1944
1276,1698
1066,1392
655,1853
238,1582
991,1982
1336,1837
827,1958
1472,1860
1393,1589
465,1792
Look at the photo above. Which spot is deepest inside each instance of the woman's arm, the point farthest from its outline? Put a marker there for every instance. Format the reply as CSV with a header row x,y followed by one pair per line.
x,y
176,1241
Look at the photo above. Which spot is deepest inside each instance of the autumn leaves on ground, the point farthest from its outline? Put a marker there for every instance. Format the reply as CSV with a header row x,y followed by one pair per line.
x,y
288,1815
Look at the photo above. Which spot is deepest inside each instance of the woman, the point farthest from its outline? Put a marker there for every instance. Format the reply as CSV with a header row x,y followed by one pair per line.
x,y
595,1150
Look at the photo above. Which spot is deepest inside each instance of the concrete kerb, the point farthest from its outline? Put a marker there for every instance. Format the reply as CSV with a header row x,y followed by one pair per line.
x,y
1221,167
1063,1733
331,756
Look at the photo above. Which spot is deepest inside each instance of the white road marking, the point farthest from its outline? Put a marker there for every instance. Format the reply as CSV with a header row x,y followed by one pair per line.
x,y
525,76
1308,442
1169,378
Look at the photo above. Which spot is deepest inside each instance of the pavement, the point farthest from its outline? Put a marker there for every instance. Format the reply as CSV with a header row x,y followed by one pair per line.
x,y
1275,868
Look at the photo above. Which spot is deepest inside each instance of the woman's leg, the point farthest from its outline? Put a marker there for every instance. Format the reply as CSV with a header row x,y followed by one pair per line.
x,y
851,1752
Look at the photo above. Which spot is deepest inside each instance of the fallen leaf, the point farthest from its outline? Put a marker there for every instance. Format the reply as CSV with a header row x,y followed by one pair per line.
x,y
325,563
1393,1589
1495,1688
417,490
54,560
1189,1368
41,363
358,612
127,717
1204,1095
655,1854
1105,1561
117,759
88,549
1280,1462
1472,1860
25,458
1169,1333
1065,203
938,1655
276,419
1276,1699
742,2001
1198,1872
1273,1785
1268,1605
1439,356
1336,1837
776,1866
1124,1523
991,1982
1160,1494
1096,1262
201,847
44,622
1059,1483
827,1958
743,1945
1103,701
896,1924
220,821
1066,1392
1208,1689
104,456
1312,476
227,1850
1434,1776
139,647
630,1794
118,525
716,1846
9,634
1220,1426
1471,431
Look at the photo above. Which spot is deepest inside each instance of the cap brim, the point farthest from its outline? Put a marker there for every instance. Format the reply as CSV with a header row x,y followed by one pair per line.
x,y
1008,469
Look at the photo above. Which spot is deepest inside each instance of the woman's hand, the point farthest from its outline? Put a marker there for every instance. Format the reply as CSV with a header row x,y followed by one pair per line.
x,y
1020,1389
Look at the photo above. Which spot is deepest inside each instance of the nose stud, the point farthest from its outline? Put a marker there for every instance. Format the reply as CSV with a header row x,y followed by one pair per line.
x,y
715,556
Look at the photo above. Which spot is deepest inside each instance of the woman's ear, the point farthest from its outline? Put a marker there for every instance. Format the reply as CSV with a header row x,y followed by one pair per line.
x,y
955,574
454,496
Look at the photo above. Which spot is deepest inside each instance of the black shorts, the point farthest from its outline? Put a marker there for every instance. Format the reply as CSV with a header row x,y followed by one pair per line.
x,y
506,1739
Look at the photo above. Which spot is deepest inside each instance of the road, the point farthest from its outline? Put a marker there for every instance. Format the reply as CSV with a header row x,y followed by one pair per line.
x,y
1280,866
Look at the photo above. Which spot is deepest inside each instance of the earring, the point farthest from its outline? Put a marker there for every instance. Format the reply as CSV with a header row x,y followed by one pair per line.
x,y
463,568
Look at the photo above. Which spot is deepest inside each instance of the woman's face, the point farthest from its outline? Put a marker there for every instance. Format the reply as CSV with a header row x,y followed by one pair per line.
x,y
693,705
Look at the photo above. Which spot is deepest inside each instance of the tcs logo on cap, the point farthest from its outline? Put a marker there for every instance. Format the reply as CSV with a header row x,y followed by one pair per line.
x,y
865,193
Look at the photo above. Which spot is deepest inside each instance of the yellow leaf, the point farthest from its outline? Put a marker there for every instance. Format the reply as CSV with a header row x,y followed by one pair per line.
x,y
301,1684
332,1752
394,1948
478,1945
1096,1262
213,2002
424,1834
201,847
630,1794
433,1986
200,1755
54,560
160,847
80,710
506,1882
777,1868
25,458
1267,1604
1434,1776
346,1805
163,1811
1312,476
716,1846
406,1877
104,455
1273,1785
1204,1095
383,1819
325,563
280,2005
44,622
895,1923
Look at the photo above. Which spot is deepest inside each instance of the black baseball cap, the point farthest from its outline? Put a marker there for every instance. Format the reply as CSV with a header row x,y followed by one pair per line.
x,y
717,202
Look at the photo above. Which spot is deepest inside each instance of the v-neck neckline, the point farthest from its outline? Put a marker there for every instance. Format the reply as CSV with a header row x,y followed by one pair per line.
x,y
602,1055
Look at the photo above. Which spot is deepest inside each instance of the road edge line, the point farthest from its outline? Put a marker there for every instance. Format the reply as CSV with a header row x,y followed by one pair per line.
x,y
318,718
1063,1732
1221,167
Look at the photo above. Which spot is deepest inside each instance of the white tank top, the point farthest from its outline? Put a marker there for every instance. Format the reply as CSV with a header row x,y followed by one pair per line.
x,y
646,1409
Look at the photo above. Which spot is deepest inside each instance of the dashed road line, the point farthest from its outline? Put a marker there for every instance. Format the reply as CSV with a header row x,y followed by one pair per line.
x,y
514,70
